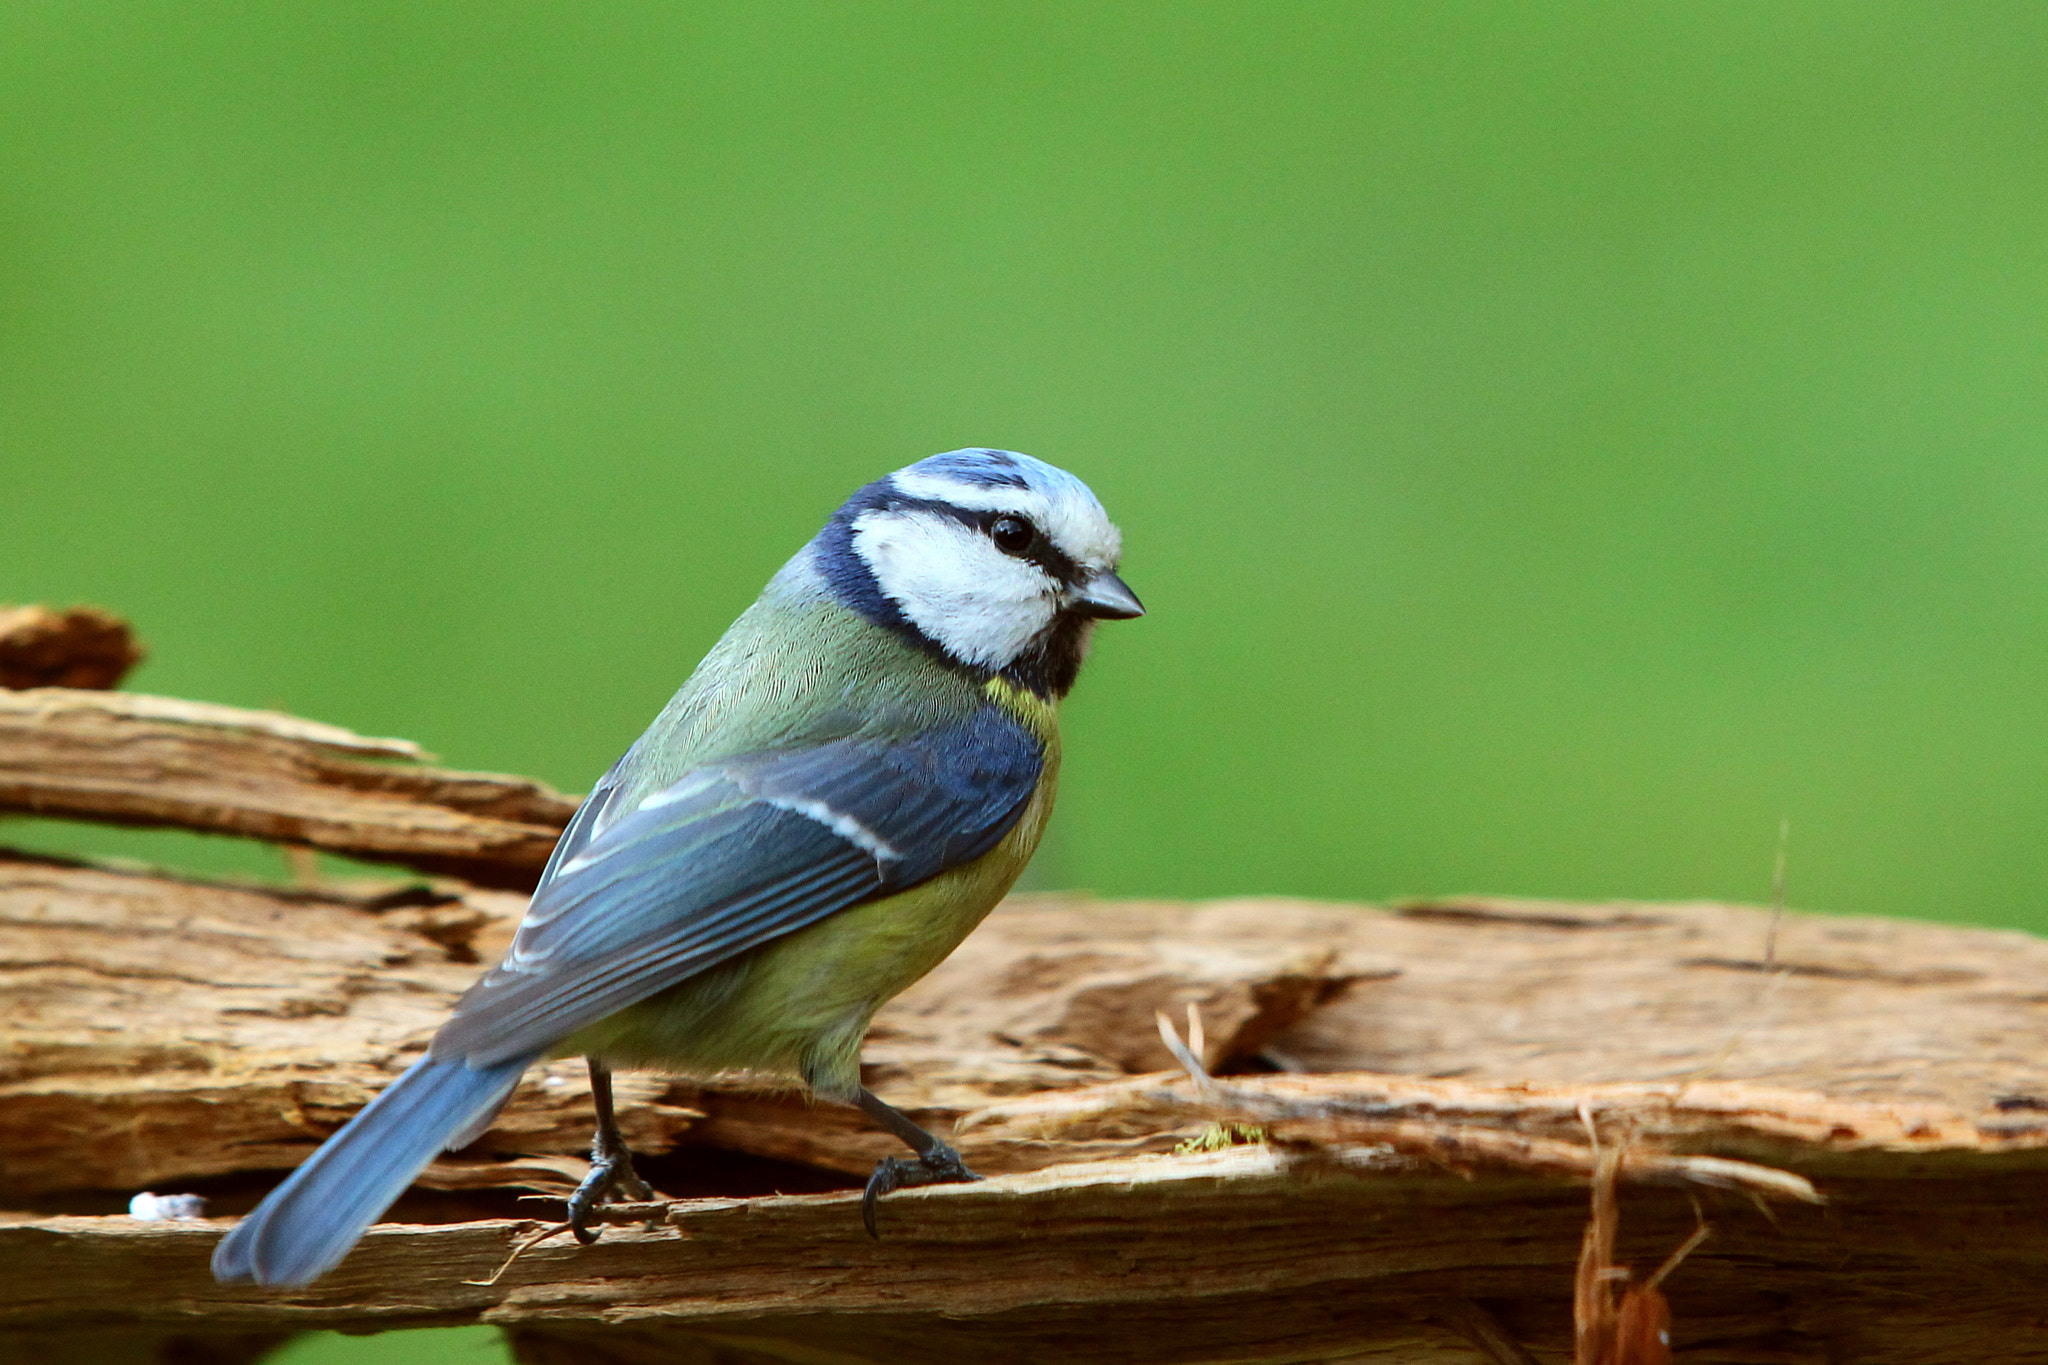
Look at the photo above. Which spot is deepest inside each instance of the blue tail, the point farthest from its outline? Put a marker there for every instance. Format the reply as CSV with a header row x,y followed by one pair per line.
x,y
307,1224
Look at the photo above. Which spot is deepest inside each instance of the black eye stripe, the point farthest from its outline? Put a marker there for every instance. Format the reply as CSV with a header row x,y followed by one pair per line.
x,y
1041,552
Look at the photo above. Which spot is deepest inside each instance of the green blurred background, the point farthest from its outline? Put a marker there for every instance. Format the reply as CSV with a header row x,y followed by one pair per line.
x,y
1555,441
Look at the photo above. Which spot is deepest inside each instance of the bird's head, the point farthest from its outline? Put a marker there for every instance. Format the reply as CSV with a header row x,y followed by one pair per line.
x,y
1000,562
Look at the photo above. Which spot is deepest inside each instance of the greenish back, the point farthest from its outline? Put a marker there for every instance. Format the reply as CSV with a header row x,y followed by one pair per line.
x,y
797,668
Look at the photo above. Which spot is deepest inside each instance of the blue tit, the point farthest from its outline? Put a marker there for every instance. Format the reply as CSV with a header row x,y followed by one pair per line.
x,y
853,777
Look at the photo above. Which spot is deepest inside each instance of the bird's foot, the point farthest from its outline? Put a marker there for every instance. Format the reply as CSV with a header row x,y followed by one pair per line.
x,y
939,1166
610,1172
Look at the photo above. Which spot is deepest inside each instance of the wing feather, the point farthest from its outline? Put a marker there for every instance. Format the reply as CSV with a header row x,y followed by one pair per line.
x,y
734,855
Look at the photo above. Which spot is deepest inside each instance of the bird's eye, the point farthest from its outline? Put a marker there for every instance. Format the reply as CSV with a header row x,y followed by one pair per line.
x,y
1012,535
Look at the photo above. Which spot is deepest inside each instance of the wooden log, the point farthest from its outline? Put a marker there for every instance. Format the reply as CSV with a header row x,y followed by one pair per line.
x,y
158,761
1397,1168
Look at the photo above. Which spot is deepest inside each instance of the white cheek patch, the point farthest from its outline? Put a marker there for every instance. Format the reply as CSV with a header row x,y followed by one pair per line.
x,y
977,603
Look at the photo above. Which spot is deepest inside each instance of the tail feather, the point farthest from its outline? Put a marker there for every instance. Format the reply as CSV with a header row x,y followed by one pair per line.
x,y
306,1225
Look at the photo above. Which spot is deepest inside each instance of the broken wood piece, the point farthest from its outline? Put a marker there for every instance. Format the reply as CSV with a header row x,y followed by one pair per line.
x,y
1477,1324
557,1176
141,706
1361,1131
158,761
81,647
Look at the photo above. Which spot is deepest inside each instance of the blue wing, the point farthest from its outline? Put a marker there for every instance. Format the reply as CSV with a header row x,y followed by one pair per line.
x,y
733,855
590,817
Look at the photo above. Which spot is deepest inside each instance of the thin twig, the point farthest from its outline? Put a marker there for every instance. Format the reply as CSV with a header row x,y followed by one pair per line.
x,y
1777,895
1773,973
520,1248
1189,1058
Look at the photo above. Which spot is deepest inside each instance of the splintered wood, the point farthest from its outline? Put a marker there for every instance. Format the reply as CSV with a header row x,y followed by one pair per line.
x,y
1382,1148
1618,1319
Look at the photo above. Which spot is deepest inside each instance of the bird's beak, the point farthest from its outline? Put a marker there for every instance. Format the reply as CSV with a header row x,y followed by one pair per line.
x,y
1106,597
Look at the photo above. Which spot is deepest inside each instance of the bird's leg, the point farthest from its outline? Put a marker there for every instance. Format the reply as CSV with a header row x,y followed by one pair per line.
x,y
934,1164
611,1161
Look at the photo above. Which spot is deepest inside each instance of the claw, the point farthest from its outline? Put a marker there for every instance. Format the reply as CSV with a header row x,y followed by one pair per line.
x,y
610,1171
939,1166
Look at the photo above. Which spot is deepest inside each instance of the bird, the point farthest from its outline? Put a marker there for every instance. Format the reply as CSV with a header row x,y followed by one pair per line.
x,y
854,775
